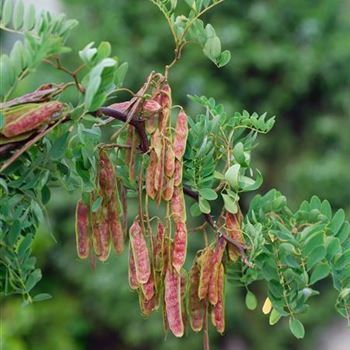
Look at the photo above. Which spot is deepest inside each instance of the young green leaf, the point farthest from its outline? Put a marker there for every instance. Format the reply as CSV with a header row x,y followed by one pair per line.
x,y
297,328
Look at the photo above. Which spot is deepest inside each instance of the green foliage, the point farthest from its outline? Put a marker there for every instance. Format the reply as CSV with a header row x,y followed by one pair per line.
x,y
293,251
219,148
44,37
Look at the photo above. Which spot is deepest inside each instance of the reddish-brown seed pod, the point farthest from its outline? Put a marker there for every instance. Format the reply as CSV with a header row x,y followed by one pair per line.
x,y
107,177
132,156
168,189
115,225
172,296
183,284
148,288
178,205
122,106
234,231
169,161
82,230
150,176
140,252
179,246
103,229
204,262
151,106
195,305
181,132
159,246
178,173
32,119
165,101
96,239
218,311
213,292
148,306
132,272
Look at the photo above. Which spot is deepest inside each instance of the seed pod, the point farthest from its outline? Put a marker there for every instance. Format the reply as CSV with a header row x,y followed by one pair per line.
x,y
13,113
115,226
148,288
132,156
168,189
195,305
169,161
165,102
179,246
204,262
151,106
82,230
148,306
159,246
96,239
140,252
107,177
233,231
178,173
183,285
132,271
124,204
103,228
178,205
218,311
172,298
150,176
122,106
32,119
213,293
181,132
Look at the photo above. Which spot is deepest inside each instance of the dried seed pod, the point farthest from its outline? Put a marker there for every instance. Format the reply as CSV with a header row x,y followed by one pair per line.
x,y
204,262
32,119
150,176
115,226
168,189
148,288
82,230
151,106
179,246
96,239
122,106
177,173
132,156
165,102
148,306
169,161
15,112
213,293
103,229
234,231
195,305
218,311
181,133
178,205
159,246
183,286
172,298
140,252
107,177
133,283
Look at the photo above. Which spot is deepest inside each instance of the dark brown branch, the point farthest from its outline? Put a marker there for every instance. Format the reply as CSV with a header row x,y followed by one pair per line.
x,y
138,124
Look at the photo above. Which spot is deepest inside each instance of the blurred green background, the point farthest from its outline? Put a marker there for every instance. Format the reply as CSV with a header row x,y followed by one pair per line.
x,y
290,59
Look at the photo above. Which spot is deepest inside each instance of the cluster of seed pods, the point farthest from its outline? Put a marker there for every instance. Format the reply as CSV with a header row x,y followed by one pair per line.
x,y
96,230
156,258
